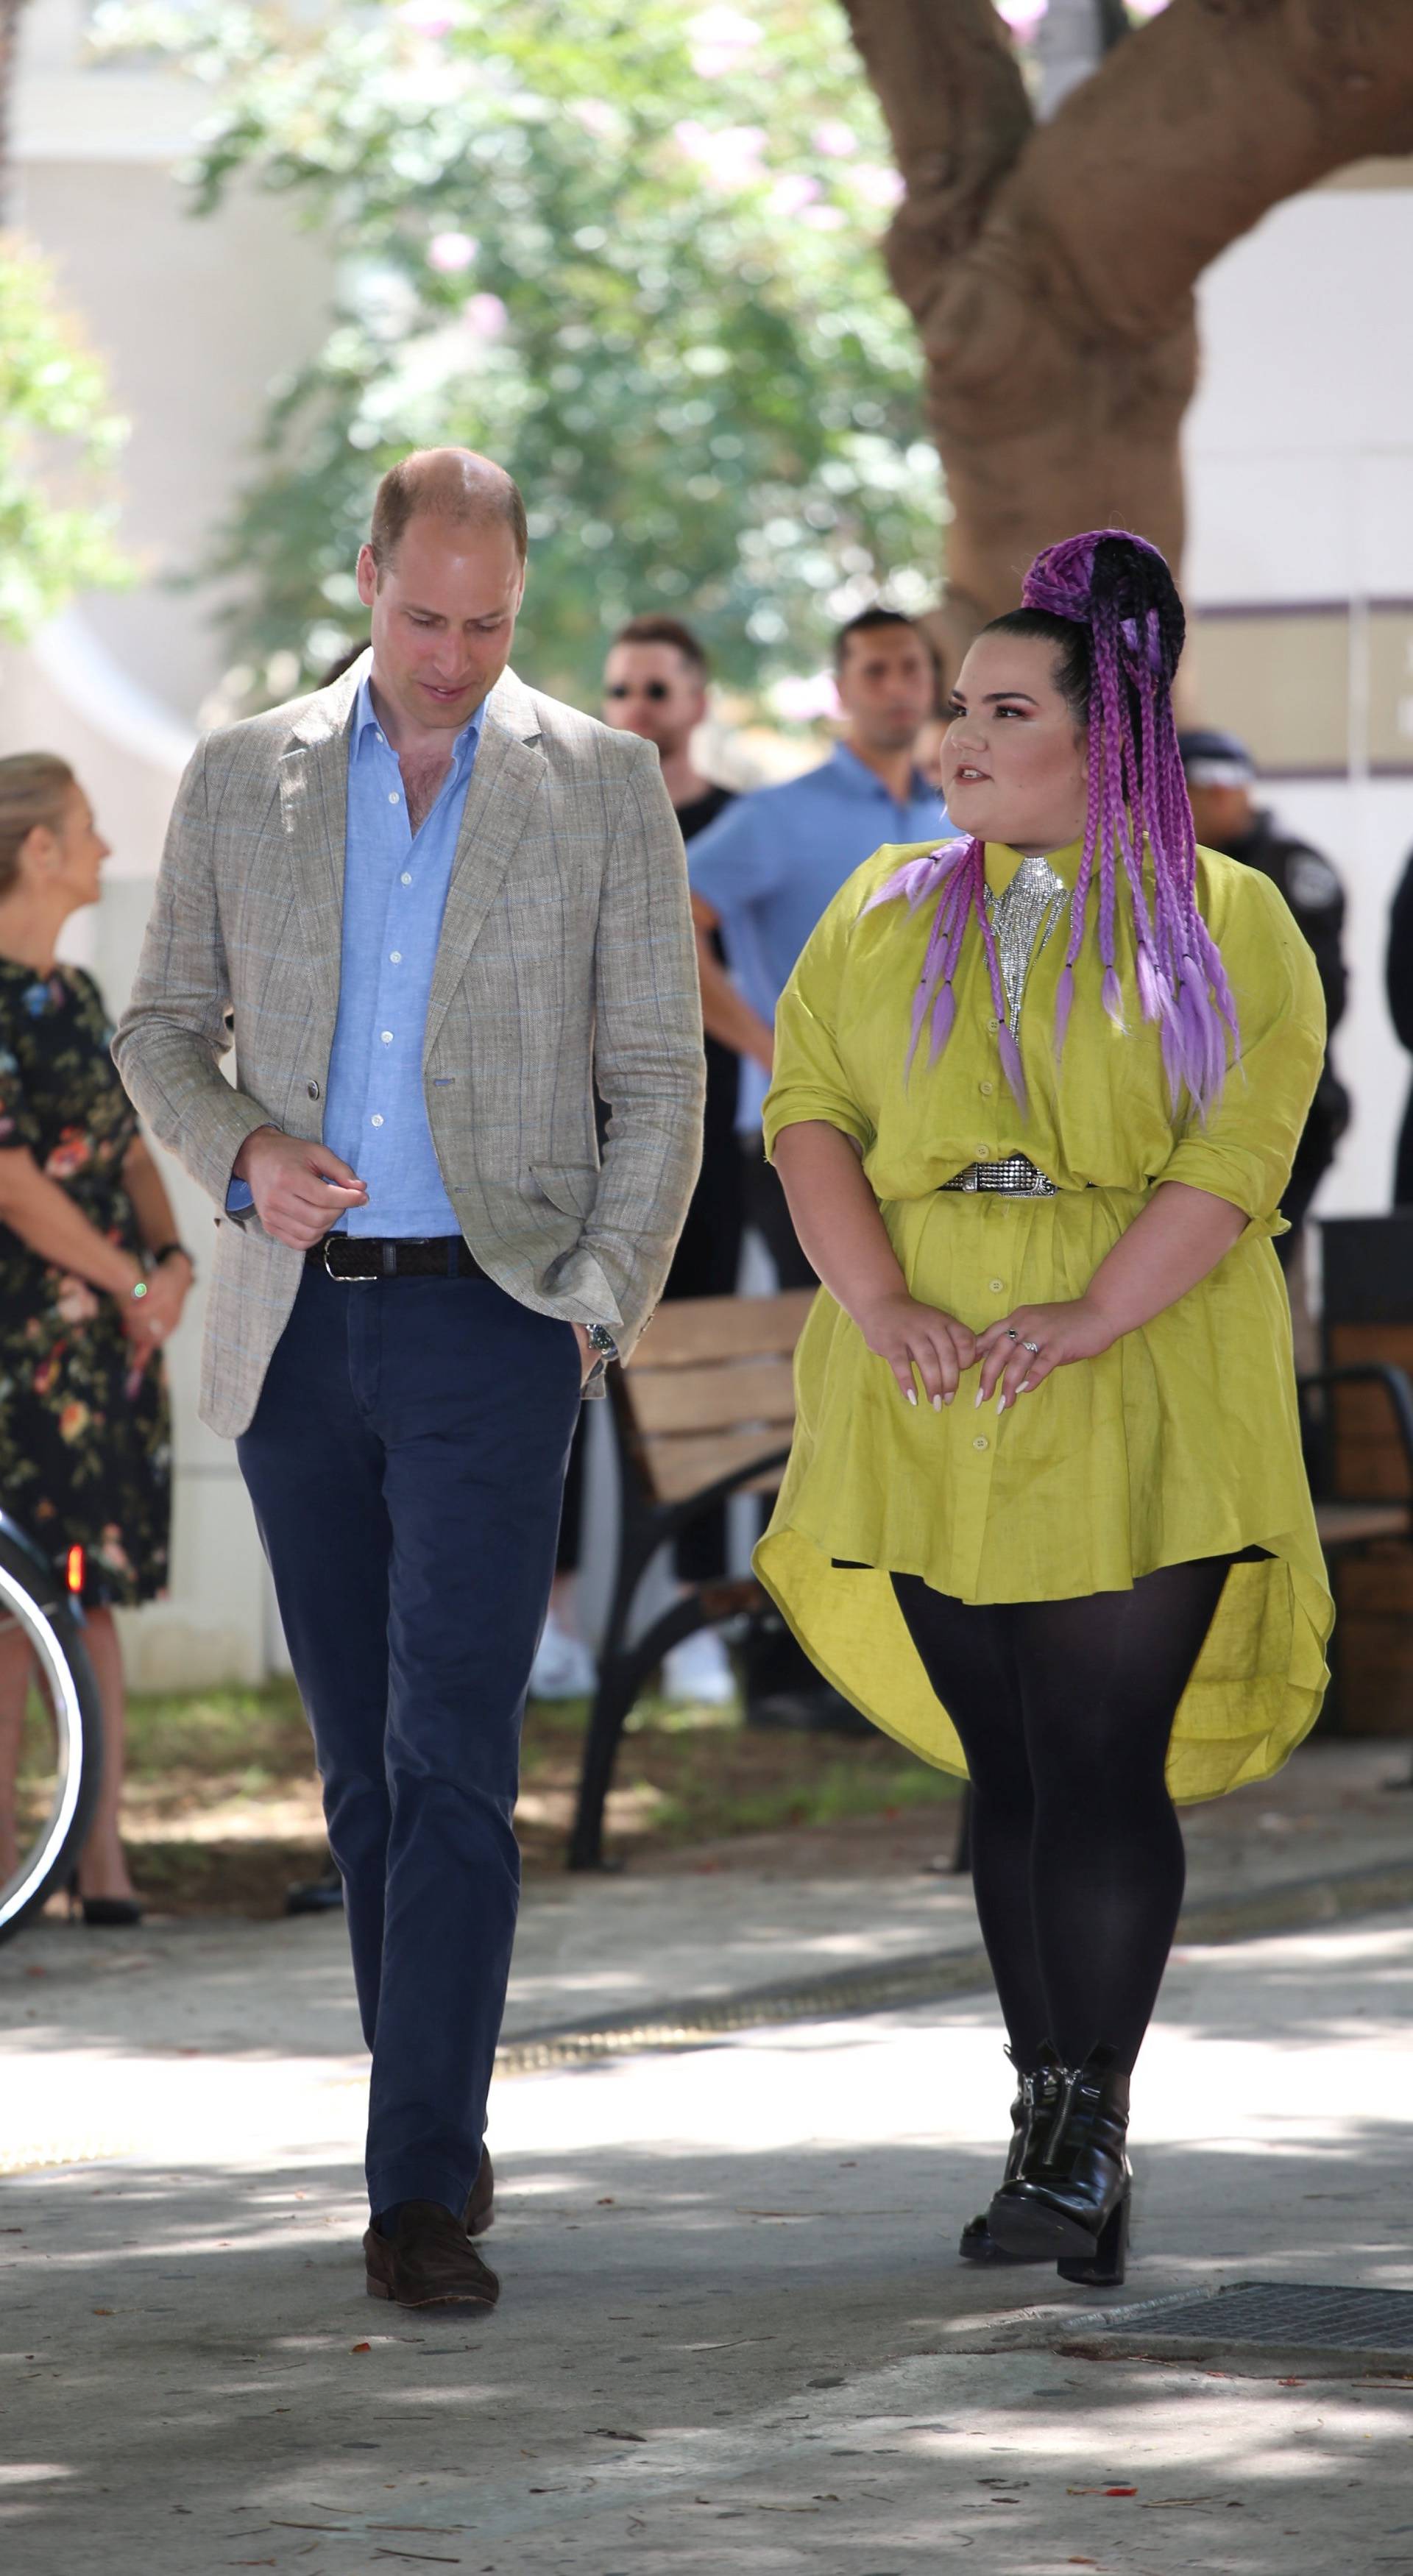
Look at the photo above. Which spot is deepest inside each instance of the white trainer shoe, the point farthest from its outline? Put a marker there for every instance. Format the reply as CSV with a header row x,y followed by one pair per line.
x,y
563,1667
699,1670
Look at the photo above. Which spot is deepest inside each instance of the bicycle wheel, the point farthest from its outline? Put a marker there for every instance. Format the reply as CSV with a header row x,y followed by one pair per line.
x,y
49,1768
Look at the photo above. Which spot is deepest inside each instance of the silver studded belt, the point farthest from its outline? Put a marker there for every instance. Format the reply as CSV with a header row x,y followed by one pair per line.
x,y
1014,1178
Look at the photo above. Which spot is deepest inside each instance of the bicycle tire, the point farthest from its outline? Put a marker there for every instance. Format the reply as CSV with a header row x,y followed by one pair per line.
x,y
31,1590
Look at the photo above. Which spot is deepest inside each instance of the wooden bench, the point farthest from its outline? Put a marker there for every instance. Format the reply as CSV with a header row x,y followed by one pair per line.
x,y
704,1409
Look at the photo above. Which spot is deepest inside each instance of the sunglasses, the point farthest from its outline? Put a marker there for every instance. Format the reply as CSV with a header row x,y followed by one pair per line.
x,y
657,690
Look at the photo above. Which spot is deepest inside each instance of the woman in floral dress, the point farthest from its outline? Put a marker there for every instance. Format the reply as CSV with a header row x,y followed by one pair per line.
x,y
92,1281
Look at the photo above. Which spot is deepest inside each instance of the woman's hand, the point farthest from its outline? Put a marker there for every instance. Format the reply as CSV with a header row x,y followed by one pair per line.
x,y
150,1320
912,1336
1019,1352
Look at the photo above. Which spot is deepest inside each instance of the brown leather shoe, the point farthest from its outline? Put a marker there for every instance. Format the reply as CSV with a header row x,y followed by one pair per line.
x,y
429,2262
481,2207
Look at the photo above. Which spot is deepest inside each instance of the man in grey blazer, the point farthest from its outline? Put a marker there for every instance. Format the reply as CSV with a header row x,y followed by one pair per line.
x,y
431,907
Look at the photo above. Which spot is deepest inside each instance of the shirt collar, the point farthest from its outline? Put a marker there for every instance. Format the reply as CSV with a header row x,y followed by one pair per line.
x,y
365,720
1002,862
863,781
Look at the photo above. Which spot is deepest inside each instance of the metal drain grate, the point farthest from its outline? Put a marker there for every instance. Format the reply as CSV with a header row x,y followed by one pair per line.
x,y
1277,2312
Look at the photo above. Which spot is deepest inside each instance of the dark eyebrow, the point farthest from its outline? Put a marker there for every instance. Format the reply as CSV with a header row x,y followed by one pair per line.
x,y
996,696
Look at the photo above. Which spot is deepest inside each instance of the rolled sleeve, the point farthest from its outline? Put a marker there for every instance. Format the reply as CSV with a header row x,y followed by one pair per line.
x,y
1244,1151
810,1080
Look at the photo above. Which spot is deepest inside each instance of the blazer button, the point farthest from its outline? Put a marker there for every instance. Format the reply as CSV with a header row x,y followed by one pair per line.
x,y
313,1090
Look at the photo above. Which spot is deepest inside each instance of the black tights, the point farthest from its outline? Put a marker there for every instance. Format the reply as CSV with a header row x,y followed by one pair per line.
x,y
1064,1709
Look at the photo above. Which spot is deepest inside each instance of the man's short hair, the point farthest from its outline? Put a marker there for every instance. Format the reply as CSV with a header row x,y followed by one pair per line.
x,y
1211,758
864,624
450,483
651,629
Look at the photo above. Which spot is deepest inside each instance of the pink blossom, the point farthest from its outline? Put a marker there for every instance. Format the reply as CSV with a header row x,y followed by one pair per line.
x,y
719,40
486,316
789,196
427,17
597,118
451,251
729,154
824,219
835,139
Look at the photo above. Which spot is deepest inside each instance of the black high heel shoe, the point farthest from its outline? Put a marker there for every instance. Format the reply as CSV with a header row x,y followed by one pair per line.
x,y
1070,2196
1037,2099
103,1913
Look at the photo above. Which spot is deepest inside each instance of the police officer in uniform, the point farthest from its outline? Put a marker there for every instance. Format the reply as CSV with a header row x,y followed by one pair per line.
x,y
1220,777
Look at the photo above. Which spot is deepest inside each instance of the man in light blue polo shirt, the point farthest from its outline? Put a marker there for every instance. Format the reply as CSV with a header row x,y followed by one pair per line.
x,y
767,870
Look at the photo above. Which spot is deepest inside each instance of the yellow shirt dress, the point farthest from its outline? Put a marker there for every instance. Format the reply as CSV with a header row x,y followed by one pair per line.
x,y
1181,1441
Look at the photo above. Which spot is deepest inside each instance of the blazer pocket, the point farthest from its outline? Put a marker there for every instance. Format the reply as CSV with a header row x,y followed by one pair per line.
x,y
571,1187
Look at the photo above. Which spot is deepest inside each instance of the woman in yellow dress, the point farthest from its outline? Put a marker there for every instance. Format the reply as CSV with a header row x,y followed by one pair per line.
x,y
1036,1097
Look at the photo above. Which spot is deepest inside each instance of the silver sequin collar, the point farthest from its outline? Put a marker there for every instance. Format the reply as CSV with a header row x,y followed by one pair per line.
x,y
1023,921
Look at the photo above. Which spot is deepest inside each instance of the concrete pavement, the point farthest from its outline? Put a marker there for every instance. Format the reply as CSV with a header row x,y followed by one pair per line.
x,y
734,2335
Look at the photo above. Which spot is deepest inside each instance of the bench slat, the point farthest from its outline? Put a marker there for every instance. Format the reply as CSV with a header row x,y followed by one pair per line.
x,y
685,1465
719,1398
1346,1524
689,1330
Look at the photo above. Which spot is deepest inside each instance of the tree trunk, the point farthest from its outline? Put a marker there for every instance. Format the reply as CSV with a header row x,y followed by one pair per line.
x,y
1050,268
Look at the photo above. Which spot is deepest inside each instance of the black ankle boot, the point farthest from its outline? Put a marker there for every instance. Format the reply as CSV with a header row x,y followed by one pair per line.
x,y
1037,2099
1069,2198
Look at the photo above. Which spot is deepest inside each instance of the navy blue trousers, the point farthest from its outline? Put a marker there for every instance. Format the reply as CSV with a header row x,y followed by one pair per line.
x,y
406,1463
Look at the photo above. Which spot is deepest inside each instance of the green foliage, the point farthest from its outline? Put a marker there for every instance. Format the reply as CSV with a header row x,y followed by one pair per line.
x,y
57,441
632,253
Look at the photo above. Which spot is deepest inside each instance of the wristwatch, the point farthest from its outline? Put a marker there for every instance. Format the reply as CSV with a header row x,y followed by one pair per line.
x,y
601,1340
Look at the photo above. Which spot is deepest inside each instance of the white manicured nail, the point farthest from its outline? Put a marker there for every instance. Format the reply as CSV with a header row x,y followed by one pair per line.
x,y
1024,1387
911,1393
937,1404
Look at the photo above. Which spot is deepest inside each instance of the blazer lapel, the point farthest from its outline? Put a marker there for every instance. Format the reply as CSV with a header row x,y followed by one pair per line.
x,y
504,784
313,777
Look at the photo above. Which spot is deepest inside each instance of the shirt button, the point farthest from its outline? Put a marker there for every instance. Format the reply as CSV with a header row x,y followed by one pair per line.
x,y
387,1041
393,796
313,1090
993,1026
377,1119
407,876
981,1442
997,1287
395,958
982,1153
986,1089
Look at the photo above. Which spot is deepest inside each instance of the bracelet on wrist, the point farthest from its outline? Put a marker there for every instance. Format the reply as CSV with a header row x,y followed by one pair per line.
x,y
167,1251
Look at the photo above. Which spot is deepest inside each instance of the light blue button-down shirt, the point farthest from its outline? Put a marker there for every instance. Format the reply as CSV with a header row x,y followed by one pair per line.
x,y
394,894
773,863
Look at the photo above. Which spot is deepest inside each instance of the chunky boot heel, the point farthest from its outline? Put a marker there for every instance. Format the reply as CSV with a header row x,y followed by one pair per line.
x,y
1074,2178
1037,2100
1105,2268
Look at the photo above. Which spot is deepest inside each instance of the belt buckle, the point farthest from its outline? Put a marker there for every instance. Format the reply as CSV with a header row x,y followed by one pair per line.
x,y
969,1178
346,1278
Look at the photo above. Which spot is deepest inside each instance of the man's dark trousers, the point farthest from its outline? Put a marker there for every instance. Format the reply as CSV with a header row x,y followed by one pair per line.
x,y
406,1463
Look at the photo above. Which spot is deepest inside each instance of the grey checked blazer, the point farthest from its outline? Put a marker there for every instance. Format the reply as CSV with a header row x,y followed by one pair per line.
x,y
566,954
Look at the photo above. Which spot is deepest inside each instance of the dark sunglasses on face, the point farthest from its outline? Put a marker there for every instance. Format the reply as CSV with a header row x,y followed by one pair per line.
x,y
657,690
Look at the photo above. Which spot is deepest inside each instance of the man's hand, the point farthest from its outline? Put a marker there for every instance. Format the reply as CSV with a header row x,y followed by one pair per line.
x,y
299,1189
588,1356
909,1335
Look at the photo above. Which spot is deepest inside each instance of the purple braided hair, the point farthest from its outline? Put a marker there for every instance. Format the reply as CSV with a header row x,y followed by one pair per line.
x,y
1120,589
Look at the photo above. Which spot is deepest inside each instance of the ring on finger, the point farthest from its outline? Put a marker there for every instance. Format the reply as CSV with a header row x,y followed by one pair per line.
x,y
1013,1336
1033,1347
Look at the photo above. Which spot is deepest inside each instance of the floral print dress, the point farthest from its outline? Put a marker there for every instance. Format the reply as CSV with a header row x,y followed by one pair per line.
x,y
85,1451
